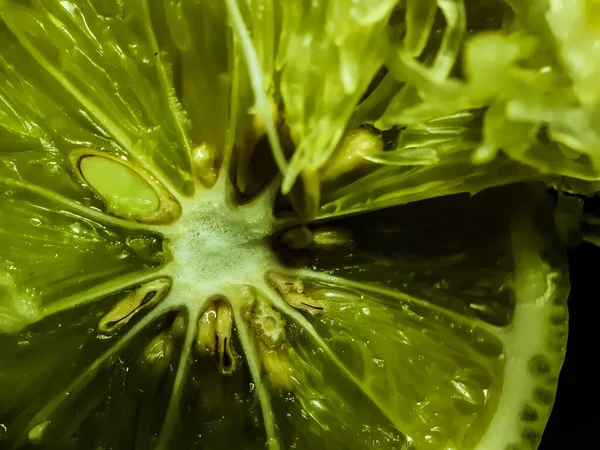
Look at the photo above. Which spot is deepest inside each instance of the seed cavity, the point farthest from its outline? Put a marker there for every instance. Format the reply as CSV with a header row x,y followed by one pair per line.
x,y
276,365
214,335
350,158
145,297
284,284
205,165
292,291
322,239
159,349
353,157
298,238
227,356
127,191
330,295
333,240
259,127
267,324
159,352
305,194
206,337
255,164
271,344
300,300
36,433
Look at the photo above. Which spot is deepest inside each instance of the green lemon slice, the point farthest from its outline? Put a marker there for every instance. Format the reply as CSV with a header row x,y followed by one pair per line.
x,y
247,225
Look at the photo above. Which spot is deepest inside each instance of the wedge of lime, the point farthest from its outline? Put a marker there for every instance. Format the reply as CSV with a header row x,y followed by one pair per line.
x,y
212,238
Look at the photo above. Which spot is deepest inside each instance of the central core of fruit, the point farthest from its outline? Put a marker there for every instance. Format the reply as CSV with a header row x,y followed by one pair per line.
x,y
215,246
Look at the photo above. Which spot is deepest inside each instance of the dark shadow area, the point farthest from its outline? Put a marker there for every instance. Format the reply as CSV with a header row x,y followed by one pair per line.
x,y
575,418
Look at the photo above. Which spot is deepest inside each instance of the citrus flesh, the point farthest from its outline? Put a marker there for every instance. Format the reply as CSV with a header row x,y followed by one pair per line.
x,y
166,282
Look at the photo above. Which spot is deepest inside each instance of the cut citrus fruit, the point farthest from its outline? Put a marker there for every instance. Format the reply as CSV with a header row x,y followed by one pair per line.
x,y
212,237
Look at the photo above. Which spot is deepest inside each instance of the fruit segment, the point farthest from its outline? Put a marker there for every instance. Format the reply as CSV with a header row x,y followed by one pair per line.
x,y
138,300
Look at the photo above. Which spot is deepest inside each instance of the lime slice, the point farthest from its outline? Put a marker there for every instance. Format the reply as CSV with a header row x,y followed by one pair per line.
x,y
206,242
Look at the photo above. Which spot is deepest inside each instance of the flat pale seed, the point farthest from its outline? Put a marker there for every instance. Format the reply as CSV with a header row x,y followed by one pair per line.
x,y
124,190
349,156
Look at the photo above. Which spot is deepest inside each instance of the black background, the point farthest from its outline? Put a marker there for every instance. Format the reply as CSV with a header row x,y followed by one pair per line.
x,y
575,420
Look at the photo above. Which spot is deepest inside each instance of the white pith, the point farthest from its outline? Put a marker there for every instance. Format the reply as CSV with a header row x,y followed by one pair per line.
x,y
527,335
525,338
215,247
